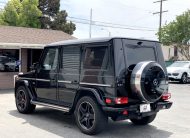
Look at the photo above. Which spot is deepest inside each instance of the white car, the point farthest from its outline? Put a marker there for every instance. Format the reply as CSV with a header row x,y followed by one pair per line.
x,y
179,71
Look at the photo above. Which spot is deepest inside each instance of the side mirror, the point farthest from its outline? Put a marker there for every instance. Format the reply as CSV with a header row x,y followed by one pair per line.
x,y
34,66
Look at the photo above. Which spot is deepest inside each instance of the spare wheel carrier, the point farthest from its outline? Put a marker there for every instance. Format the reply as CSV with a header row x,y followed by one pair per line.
x,y
148,81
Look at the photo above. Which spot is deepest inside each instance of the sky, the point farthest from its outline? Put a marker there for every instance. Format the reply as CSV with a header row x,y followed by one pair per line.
x,y
133,14
136,14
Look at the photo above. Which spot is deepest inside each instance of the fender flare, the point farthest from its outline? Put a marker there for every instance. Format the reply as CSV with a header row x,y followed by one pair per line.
x,y
97,94
26,84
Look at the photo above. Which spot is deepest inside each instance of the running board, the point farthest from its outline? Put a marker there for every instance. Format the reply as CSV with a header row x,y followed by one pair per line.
x,y
65,109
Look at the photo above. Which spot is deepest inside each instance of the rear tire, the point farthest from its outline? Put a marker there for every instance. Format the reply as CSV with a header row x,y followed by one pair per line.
x,y
144,121
22,100
184,78
89,116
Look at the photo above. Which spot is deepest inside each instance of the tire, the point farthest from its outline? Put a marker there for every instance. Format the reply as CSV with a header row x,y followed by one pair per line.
x,y
148,81
144,121
22,100
89,116
183,78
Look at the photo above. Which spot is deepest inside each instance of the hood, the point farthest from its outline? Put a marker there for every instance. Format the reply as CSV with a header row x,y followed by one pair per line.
x,y
174,69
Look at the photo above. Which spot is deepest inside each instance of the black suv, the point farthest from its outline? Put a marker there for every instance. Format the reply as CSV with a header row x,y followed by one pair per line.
x,y
94,79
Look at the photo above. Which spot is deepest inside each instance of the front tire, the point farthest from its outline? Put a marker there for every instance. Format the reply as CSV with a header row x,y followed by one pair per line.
x,y
23,101
184,78
89,116
144,121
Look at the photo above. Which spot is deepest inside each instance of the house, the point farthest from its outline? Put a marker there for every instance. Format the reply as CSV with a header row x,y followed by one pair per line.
x,y
172,53
20,47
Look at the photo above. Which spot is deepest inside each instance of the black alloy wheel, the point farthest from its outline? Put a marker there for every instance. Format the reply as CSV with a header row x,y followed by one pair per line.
x,y
86,115
89,116
23,101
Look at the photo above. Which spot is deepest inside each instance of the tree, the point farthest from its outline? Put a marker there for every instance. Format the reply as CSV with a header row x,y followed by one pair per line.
x,y
60,23
17,13
10,15
49,9
54,19
177,33
29,16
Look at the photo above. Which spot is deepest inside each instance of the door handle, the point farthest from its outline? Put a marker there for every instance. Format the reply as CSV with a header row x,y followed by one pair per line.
x,y
75,82
53,79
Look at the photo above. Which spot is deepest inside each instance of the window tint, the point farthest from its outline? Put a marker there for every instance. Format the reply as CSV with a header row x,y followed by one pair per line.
x,y
50,59
71,57
137,54
95,58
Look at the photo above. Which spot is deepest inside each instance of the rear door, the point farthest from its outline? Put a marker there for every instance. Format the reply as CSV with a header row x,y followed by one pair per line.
x,y
68,76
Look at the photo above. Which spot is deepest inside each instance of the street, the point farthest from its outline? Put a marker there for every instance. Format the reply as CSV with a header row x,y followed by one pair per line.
x,y
49,123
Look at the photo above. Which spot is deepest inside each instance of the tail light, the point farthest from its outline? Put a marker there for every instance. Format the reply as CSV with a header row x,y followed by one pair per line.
x,y
118,100
121,100
108,101
125,112
166,96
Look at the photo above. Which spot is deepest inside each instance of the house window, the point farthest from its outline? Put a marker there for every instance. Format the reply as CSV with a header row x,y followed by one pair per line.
x,y
9,60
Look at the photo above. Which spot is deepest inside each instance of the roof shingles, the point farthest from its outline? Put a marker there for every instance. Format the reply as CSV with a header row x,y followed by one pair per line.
x,y
10,34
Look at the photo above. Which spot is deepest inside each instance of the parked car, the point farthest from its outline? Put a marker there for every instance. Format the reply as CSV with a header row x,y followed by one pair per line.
x,y
179,71
94,79
11,65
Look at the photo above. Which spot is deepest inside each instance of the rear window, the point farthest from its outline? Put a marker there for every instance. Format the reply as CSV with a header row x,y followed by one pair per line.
x,y
136,54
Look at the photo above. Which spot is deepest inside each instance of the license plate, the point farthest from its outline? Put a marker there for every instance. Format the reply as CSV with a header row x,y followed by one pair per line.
x,y
145,108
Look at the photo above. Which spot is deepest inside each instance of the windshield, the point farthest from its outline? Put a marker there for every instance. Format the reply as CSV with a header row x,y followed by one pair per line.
x,y
179,64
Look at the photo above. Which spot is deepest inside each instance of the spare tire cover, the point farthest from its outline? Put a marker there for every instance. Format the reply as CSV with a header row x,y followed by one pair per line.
x,y
148,81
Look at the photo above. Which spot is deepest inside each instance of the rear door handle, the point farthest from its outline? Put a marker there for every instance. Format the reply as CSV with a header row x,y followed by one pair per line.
x,y
75,82
53,79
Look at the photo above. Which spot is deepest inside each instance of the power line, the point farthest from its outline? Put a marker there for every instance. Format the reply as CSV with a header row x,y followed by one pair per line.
x,y
108,23
110,26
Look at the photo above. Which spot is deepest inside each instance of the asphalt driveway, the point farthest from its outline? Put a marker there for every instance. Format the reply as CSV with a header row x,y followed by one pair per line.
x,y
50,123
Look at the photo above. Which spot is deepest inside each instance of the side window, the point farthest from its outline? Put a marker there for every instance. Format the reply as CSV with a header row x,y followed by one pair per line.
x,y
71,57
51,59
96,58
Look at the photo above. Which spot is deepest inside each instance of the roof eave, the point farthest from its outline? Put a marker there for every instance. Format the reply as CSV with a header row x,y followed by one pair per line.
x,y
21,45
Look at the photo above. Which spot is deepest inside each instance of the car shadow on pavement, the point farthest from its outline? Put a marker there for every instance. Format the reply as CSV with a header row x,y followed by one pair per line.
x,y
58,123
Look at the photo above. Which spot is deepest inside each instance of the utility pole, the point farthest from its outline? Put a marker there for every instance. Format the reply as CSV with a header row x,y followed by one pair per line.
x,y
90,25
109,33
160,13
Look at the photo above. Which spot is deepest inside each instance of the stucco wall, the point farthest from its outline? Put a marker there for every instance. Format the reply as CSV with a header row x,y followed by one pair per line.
x,y
6,80
168,52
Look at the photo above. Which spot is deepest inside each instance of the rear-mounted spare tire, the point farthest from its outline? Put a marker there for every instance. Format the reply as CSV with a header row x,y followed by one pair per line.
x,y
148,81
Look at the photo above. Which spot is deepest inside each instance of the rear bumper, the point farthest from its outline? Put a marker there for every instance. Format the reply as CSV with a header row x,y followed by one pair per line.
x,y
134,110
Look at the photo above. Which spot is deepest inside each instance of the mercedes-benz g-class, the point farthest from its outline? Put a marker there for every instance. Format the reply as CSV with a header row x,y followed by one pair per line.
x,y
94,79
